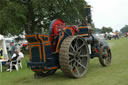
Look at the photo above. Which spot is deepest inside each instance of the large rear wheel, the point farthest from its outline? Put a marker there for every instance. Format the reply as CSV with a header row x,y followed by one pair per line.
x,y
74,56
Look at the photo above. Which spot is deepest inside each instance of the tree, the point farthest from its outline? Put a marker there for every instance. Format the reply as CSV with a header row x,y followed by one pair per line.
x,y
124,29
97,30
93,26
12,17
106,29
31,16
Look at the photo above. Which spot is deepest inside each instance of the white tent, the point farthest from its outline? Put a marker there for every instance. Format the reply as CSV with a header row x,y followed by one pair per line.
x,y
112,33
3,46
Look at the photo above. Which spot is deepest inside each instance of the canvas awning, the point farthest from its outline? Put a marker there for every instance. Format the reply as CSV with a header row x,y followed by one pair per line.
x,y
3,46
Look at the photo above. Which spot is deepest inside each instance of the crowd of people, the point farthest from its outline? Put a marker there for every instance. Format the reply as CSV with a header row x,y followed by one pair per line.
x,y
114,35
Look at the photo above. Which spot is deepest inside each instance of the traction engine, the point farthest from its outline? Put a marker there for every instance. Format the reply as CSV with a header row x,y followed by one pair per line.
x,y
66,47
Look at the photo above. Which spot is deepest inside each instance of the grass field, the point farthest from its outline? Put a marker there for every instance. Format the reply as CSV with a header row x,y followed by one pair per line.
x,y
115,74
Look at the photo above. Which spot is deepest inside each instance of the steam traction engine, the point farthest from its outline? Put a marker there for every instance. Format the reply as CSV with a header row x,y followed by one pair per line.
x,y
66,47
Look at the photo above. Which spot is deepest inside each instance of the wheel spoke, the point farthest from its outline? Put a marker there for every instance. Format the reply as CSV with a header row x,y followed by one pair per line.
x,y
71,54
80,46
72,48
107,58
83,55
80,51
79,60
81,65
106,55
76,42
71,60
107,61
77,70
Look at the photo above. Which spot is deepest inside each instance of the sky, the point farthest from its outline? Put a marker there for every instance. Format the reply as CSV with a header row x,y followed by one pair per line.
x,y
109,13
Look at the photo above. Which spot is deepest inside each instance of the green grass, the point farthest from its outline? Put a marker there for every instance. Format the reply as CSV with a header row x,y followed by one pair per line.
x,y
115,74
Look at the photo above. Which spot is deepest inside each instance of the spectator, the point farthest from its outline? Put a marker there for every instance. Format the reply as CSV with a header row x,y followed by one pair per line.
x,y
105,36
17,55
114,36
13,48
117,34
9,50
108,36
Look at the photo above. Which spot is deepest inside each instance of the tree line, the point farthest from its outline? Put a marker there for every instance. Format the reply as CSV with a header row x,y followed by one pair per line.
x,y
124,29
109,29
32,16
103,30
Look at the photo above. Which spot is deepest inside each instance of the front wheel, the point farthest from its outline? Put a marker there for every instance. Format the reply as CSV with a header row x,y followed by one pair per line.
x,y
105,56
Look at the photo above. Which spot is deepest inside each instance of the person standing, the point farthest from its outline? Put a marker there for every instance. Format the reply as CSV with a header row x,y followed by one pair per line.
x,y
13,48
